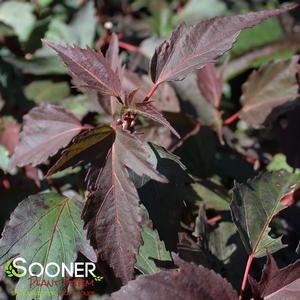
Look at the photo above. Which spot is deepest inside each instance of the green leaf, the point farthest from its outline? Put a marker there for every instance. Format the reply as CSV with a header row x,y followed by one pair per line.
x,y
45,228
255,204
4,157
83,25
152,249
19,16
212,194
39,65
58,32
219,241
66,172
196,10
268,32
279,162
44,3
80,31
42,91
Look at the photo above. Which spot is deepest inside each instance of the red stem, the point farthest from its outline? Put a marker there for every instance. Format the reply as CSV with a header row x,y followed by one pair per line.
x,y
248,266
151,92
232,118
128,47
214,220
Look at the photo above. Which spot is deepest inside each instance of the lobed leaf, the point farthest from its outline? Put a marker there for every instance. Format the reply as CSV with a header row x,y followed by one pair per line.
x,y
152,251
40,228
46,130
277,284
189,283
274,84
192,47
112,214
255,204
89,66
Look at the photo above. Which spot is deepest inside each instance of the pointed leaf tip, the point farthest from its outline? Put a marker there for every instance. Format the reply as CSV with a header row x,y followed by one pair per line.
x,y
89,66
192,47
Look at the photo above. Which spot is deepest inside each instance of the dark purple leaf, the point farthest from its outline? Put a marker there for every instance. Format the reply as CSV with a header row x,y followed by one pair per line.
x,y
90,146
112,214
165,98
189,283
112,53
273,85
210,84
9,137
148,110
277,284
112,56
46,130
192,47
89,66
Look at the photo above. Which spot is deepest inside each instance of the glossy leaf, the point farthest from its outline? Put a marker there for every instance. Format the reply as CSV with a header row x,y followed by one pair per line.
x,y
255,204
190,282
41,125
112,214
192,47
42,226
90,67
277,284
90,146
271,86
